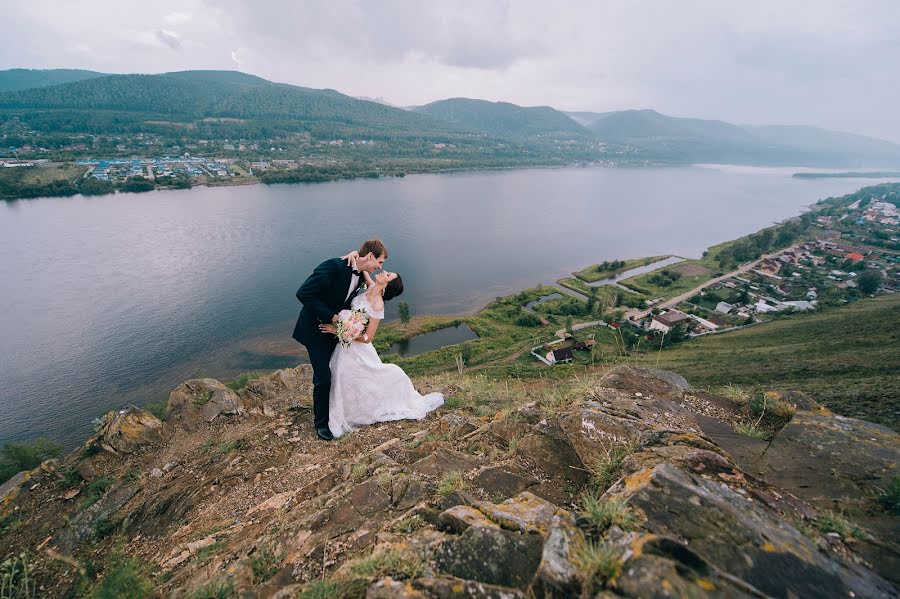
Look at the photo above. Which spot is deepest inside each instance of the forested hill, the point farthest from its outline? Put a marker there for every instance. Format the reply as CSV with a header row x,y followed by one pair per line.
x,y
17,79
503,119
122,103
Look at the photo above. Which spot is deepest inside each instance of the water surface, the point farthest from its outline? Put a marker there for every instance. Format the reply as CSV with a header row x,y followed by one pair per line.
x,y
116,299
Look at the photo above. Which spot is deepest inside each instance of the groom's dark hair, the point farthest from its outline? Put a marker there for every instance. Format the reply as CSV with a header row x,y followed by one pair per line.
x,y
393,288
375,246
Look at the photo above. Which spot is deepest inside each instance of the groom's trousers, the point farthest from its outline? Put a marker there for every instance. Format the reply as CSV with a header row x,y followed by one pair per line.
x,y
320,358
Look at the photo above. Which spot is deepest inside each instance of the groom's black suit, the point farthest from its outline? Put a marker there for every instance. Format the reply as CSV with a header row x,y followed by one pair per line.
x,y
323,294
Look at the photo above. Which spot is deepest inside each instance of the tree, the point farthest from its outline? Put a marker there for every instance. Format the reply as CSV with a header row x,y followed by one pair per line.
x,y
869,281
403,309
569,324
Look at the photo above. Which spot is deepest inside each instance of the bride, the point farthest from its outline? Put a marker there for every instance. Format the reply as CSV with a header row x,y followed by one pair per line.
x,y
364,390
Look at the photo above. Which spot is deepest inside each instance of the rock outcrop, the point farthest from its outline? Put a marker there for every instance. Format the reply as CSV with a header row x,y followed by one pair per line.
x,y
631,485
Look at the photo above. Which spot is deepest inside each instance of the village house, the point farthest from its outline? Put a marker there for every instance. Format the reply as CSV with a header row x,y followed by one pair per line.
x,y
665,322
724,308
560,356
769,267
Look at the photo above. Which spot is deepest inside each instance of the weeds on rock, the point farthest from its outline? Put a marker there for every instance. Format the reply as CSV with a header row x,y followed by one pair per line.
x,y
321,589
16,578
229,447
605,467
205,552
241,381
750,429
408,524
95,490
157,408
127,579
264,564
833,522
597,563
603,514
216,589
358,574
451,481
735,393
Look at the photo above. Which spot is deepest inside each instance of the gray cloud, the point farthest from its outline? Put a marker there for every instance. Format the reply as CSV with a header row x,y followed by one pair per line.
x,y
168,38
830,63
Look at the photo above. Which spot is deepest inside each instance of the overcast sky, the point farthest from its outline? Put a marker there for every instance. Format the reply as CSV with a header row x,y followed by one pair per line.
x,y
830,63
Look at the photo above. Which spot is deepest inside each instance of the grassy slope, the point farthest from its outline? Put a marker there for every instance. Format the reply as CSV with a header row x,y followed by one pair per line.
x,y
847,358
594,273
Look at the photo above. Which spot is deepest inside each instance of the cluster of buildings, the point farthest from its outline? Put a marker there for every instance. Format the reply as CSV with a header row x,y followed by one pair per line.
x,y
116,169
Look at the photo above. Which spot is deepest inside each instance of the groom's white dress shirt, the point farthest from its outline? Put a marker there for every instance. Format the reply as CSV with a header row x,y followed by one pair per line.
x,y
354,281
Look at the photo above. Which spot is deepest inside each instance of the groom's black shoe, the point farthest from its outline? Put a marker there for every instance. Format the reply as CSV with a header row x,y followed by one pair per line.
x,y
324,433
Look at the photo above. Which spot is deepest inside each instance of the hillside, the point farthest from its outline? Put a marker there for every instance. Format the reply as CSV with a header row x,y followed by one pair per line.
x,y
122,103
664,137
502,119
599,486
18,79
847,358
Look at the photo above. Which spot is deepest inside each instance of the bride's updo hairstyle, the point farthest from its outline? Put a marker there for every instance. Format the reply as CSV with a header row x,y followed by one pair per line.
x,y
393,288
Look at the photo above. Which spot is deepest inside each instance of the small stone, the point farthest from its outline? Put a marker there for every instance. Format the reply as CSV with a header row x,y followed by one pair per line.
x,y
281,432
168,467
156,473
71,494
294,440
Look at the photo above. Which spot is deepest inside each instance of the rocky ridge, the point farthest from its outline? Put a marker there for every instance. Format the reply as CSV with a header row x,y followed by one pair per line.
x,y
626,484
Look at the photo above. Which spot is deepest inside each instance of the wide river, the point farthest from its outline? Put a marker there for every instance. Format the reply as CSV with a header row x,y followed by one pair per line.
x,y
114,300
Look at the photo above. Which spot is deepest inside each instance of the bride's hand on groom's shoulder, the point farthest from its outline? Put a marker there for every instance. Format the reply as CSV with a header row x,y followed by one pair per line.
x,y
351,258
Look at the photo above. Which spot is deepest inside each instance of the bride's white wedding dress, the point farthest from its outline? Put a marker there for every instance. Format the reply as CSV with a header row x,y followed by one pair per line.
x,y
365,390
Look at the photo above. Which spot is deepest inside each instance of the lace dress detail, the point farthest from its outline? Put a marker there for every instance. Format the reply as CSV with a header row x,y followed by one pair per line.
x,y
365,390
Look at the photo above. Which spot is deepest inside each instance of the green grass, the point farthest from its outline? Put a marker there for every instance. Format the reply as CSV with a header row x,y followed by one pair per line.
x,y
205,552
606,465
645,285
408,524
846,358
264,563
596,272
241,381
17,578
752,430
127,579
833,522
95,490
597,563
216,589
353,579
157,408
889,499
603,514
229,447
450,482
16,457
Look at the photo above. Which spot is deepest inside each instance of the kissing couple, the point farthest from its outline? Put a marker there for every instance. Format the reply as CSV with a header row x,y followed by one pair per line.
x,y
352,387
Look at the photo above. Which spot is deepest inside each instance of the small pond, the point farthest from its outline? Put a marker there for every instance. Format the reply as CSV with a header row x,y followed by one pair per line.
x,y
433,340
544,298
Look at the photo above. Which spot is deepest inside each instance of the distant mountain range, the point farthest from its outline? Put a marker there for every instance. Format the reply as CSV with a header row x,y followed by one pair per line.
x,y
229,103
700,140
502,119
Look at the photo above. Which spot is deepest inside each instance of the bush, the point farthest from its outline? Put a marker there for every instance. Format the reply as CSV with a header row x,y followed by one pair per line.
x,y
17,457
126,580
528,320
890,497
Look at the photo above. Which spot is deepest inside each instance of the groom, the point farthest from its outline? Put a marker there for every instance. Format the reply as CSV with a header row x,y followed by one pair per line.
x,y
328,290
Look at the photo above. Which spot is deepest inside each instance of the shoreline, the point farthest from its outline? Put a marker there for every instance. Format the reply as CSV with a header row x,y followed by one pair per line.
x,y
254,180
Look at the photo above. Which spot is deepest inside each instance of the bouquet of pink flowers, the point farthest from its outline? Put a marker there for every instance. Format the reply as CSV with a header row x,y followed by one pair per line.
x,y
350,325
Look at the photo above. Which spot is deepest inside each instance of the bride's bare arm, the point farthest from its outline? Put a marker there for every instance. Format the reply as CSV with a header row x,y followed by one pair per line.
x,y
368,278
369,334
